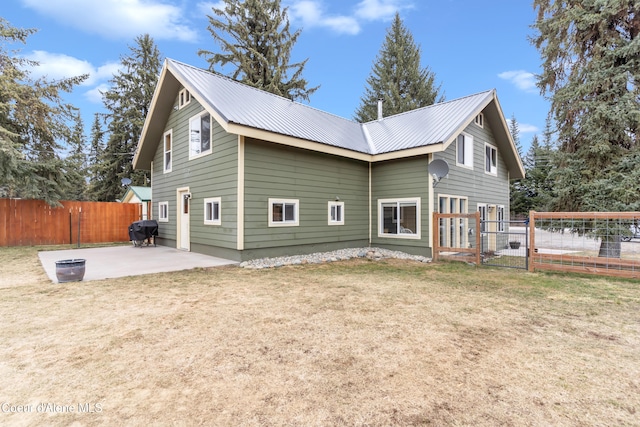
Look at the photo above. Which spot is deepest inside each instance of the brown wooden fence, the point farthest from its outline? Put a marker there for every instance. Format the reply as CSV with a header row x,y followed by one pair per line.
x,y
452,239
33,222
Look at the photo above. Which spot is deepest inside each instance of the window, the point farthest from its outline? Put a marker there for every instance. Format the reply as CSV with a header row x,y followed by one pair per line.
x,y
464,150
336,213
199,135
399,218
167,151
483,217
453,231
501,218
283,212
490,159
480,120
163,211
212,214
184,97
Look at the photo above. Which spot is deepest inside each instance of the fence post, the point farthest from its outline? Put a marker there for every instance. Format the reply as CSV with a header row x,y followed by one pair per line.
x,y
478,239
532,239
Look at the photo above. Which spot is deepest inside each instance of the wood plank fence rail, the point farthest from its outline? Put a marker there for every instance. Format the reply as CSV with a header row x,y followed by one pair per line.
x,y
33,222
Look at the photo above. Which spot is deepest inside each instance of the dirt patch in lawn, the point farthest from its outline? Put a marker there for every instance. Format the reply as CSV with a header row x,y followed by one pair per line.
x,y
358,342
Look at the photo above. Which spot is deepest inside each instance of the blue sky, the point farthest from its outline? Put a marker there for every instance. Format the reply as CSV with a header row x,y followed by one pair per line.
x,y
471,46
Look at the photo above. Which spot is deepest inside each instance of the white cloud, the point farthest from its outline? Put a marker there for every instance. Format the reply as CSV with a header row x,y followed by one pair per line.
x,y
119,18
56,66
95,95
312,13
375,10
205,7
523,80
525,128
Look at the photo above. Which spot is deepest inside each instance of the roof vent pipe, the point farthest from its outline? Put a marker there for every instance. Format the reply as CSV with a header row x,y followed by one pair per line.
x,y
380,108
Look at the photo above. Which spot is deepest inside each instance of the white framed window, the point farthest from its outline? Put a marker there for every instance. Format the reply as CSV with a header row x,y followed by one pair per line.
x,y
453,231
212,211
184,97
501,218
284,212
482,208
479,120
336,213
399,218
163,211
199,135
168,146
464,150
490,159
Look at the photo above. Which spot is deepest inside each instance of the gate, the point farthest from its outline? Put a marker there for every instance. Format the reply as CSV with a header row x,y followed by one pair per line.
x,y
505,243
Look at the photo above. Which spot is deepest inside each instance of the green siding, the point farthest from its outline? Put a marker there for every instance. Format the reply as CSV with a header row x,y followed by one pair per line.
x,y
274,171
213,175
475,184
404,178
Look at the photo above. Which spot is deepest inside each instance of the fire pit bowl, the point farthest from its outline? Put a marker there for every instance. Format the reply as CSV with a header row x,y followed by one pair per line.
x,y
70,270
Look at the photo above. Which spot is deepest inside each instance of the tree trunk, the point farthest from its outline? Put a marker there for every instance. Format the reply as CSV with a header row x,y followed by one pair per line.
x,y
610,247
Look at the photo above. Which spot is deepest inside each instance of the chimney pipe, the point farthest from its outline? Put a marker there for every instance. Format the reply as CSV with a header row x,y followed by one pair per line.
x,y
380,108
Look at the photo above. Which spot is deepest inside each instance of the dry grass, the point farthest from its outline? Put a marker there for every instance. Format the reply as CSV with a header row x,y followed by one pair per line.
x,y
350,343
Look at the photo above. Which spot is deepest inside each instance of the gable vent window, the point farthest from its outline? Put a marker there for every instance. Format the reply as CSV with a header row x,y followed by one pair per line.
x,y
184,97
480,120
490,159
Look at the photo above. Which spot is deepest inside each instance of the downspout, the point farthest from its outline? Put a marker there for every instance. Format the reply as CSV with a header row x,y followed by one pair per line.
x,y
370,216
430,205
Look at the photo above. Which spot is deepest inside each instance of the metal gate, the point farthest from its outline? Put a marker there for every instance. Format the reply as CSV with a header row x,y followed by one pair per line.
x,y
505,243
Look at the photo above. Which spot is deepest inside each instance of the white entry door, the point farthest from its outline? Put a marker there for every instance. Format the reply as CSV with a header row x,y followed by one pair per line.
x,y
184,201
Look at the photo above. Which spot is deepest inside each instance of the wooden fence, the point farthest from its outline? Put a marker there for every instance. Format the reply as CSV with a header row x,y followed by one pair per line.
x,y
573,242
452,239
33,222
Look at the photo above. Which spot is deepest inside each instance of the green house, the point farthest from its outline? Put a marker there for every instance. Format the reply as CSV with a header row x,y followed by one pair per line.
x,y
241,173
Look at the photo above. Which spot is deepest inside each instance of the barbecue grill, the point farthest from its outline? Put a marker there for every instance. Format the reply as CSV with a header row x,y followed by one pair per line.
x,y
141,233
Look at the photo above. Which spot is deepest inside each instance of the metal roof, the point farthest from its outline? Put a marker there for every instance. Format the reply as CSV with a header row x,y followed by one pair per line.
x,y
245,105
249,106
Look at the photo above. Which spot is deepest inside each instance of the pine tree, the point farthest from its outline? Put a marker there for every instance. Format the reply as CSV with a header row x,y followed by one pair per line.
x,y
128,101
590,70
397,77
33,122
75,164
517,192
95,155
256,41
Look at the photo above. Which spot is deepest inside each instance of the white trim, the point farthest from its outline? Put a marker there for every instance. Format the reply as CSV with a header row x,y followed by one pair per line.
x,y
166,169
162,218
479,120
193,156
415,235
501,221
468,151
240,196
181,192
330,220
213,221
284,223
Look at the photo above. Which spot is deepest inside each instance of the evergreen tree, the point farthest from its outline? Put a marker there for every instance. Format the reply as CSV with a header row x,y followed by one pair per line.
x,y
255,40
33,122
397,77
517,190
128,101
75,164
95,155
591,69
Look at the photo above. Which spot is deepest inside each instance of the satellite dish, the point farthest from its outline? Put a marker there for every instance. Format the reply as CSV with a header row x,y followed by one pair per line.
x,y
438,169
125,181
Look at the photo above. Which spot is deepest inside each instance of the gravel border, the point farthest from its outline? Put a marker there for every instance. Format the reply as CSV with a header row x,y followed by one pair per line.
x,y
338,255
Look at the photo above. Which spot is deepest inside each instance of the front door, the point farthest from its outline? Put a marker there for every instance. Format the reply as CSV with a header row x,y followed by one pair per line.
x,y
184,202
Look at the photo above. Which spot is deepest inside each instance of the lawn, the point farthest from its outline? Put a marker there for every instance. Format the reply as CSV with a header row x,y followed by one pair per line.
x,y
355,343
